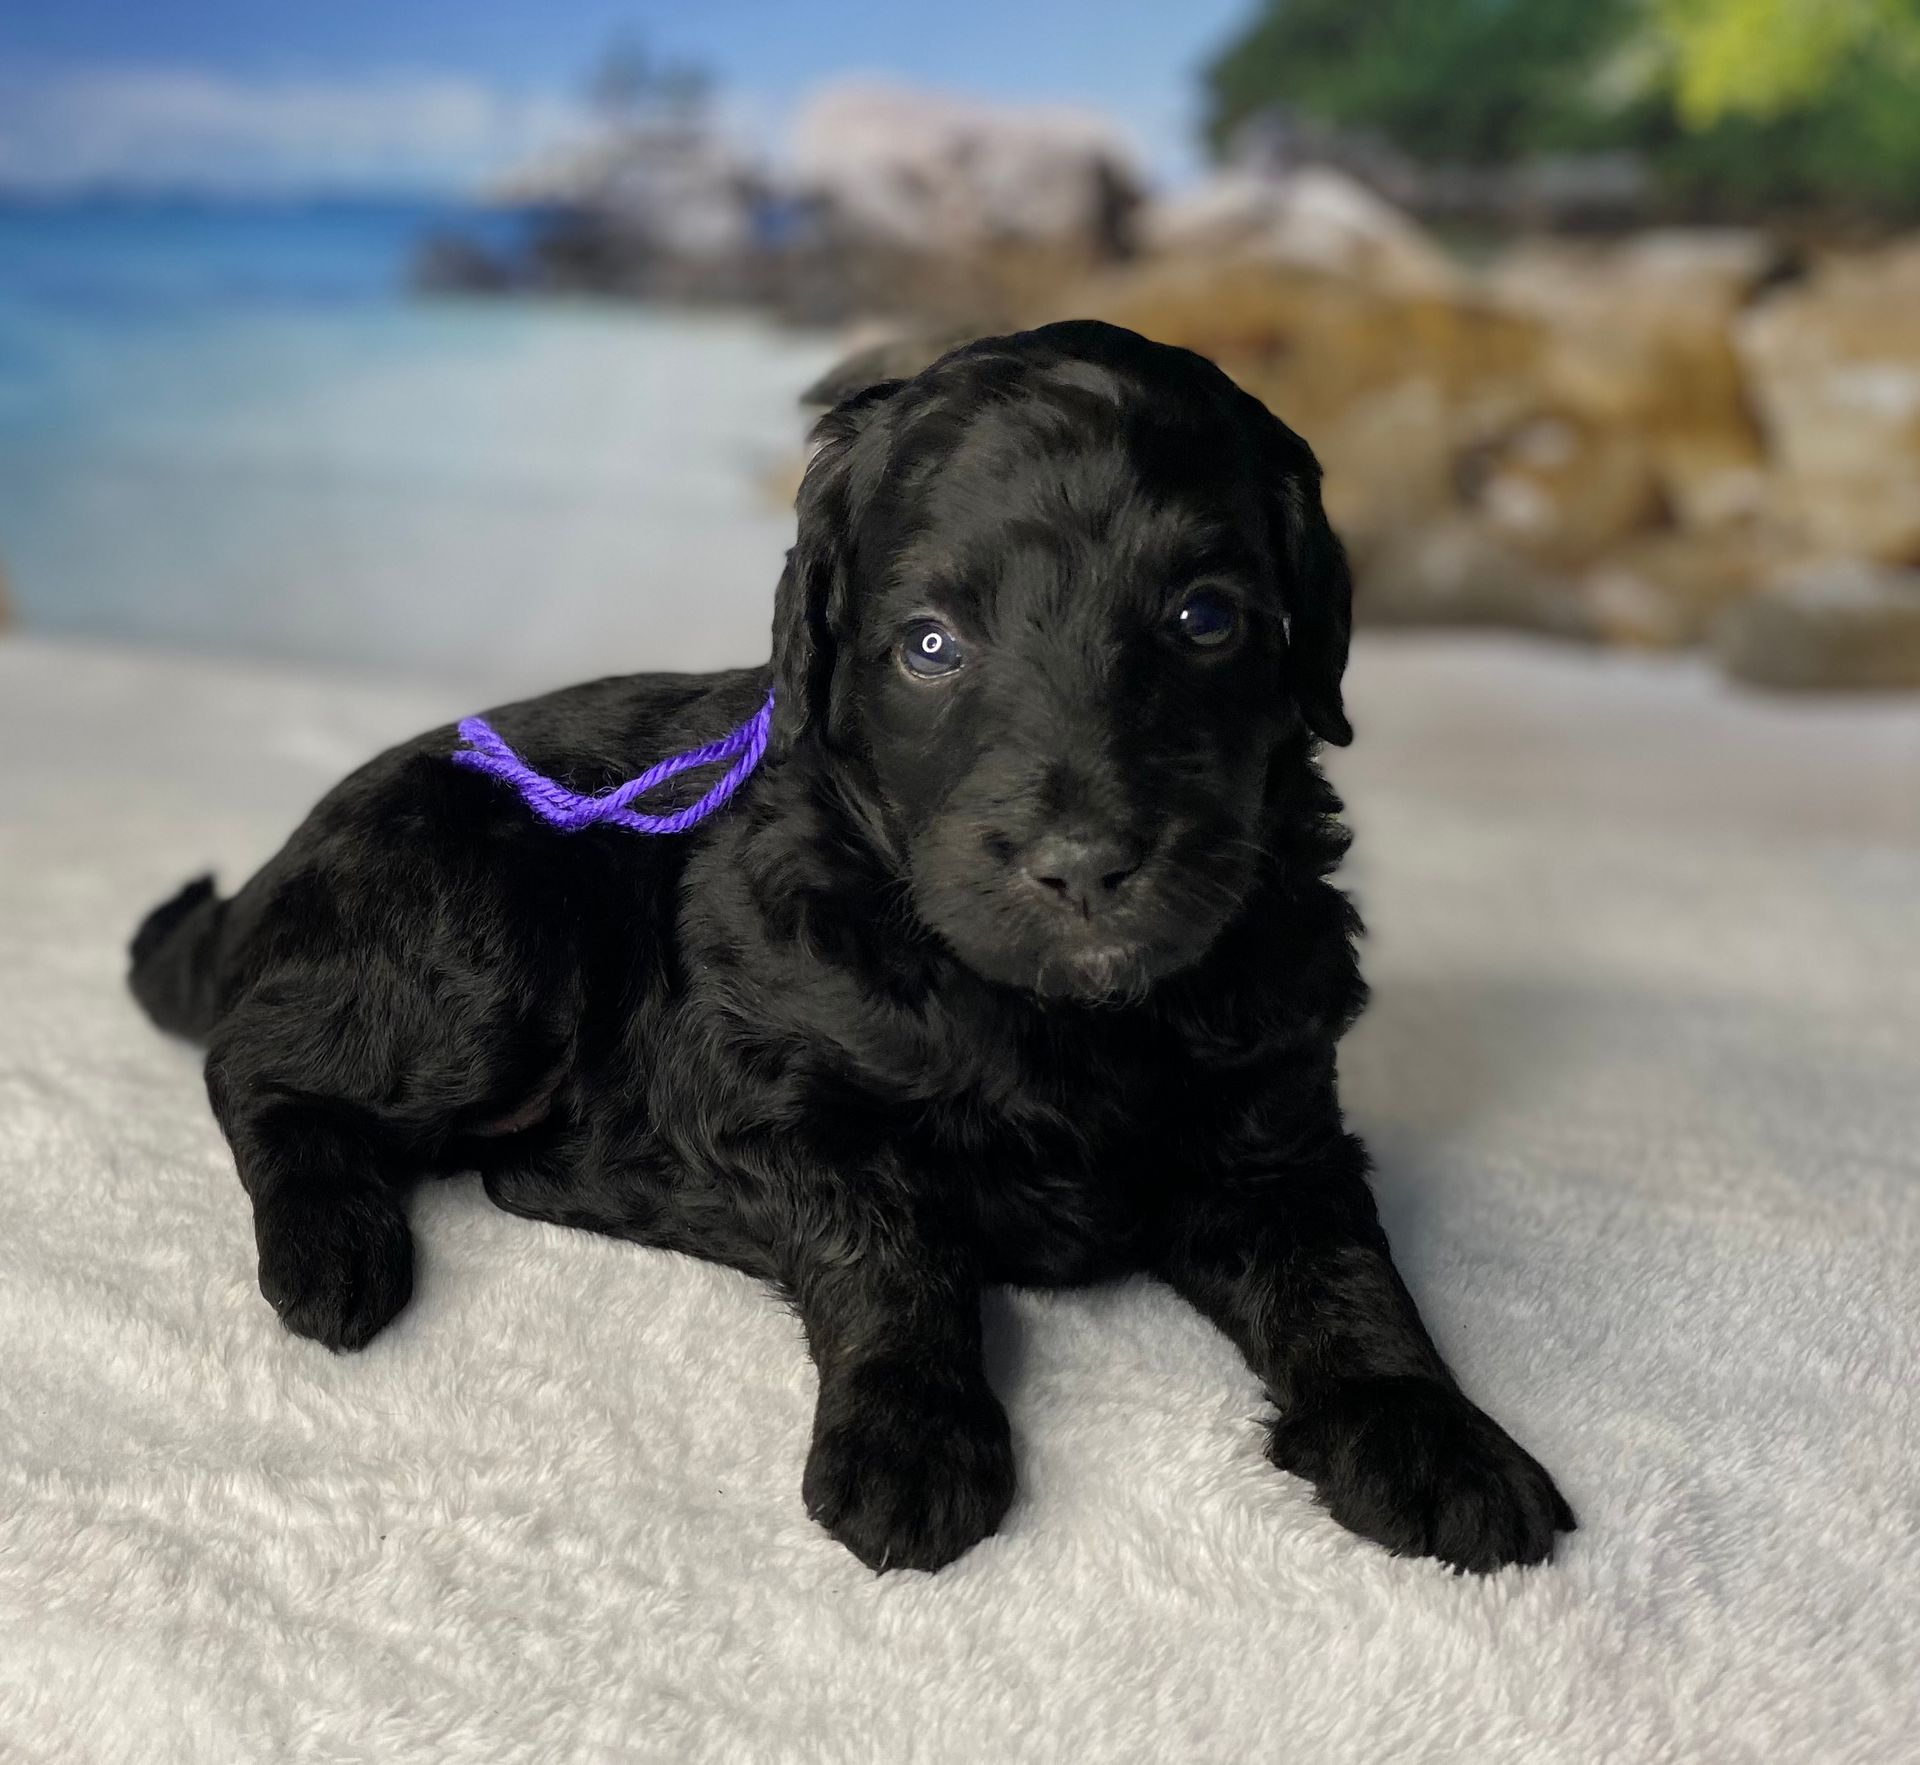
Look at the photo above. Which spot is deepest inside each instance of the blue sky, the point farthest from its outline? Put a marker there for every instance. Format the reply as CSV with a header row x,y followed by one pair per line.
x,y
412,93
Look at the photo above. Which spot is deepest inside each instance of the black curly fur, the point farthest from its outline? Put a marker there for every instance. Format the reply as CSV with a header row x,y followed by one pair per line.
x,y
844,1036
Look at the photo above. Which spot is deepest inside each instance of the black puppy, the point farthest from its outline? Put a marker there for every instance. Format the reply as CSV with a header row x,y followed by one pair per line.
x,y
1016,960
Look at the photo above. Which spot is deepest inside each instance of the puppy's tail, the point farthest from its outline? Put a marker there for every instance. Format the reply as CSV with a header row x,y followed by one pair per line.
x,y
176,951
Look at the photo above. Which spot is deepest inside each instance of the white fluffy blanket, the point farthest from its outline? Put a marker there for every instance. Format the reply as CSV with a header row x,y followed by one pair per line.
x,y
1641,1077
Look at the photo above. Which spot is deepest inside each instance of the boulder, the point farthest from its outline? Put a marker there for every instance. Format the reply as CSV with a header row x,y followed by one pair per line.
x,y
675,185
1665,590
1564,490
929,173
1834,367
1639,336
1313,343
1710,271
1389,463
1839,625
1313,218
1457,572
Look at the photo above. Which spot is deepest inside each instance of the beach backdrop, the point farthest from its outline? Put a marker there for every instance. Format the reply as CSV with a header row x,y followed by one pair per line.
x,y
358,340
232,428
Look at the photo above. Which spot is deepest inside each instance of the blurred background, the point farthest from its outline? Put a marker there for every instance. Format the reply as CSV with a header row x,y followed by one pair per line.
x,y
481,340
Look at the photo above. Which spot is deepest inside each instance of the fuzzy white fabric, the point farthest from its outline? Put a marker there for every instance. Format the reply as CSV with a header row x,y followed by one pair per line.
x,y
1641,1079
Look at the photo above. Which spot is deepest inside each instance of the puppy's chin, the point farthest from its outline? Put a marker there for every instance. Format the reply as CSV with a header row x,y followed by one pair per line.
x,y
1096,974
1084,970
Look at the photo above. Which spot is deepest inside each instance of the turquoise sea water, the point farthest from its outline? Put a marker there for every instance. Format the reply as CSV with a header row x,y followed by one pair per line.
x,y
233,429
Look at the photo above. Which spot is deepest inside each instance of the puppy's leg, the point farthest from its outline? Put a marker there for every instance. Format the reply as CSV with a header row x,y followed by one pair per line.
x,y
1288,1258
912,1460
336,1258
333,1100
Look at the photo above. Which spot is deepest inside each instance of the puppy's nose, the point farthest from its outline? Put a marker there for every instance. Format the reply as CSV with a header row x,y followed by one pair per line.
x,y
1083,872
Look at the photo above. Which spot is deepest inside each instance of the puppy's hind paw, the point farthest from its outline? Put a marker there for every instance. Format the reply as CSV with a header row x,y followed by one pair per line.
x,y
336,1267
905,1473
1414,1466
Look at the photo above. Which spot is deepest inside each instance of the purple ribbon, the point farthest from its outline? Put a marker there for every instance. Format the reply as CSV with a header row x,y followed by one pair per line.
x,y
570,812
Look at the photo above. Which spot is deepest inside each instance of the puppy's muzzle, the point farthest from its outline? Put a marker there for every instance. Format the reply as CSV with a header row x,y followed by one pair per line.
x,y
1082,872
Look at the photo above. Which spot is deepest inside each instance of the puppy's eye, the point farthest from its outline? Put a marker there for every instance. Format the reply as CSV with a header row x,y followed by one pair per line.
x,y
929,650
1207,619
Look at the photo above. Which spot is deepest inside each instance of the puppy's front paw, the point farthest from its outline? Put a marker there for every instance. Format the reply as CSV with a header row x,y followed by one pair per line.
x,y
1419,1469
336,1267
907,1472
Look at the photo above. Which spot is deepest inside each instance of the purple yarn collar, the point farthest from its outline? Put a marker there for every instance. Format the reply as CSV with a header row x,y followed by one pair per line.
x,y
570,812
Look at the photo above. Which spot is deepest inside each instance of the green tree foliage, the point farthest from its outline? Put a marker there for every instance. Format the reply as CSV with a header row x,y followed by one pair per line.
x,y
1739,105
1474,80
1771,58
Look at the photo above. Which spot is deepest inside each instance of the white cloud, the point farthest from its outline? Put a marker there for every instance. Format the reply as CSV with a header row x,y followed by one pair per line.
x,y
171,128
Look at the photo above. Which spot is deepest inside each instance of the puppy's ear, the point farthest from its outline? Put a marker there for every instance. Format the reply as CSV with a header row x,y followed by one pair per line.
x,y
810,608
1319,607
1318,590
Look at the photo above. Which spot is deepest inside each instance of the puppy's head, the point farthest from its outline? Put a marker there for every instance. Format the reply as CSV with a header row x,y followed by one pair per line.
x,y
1062,602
